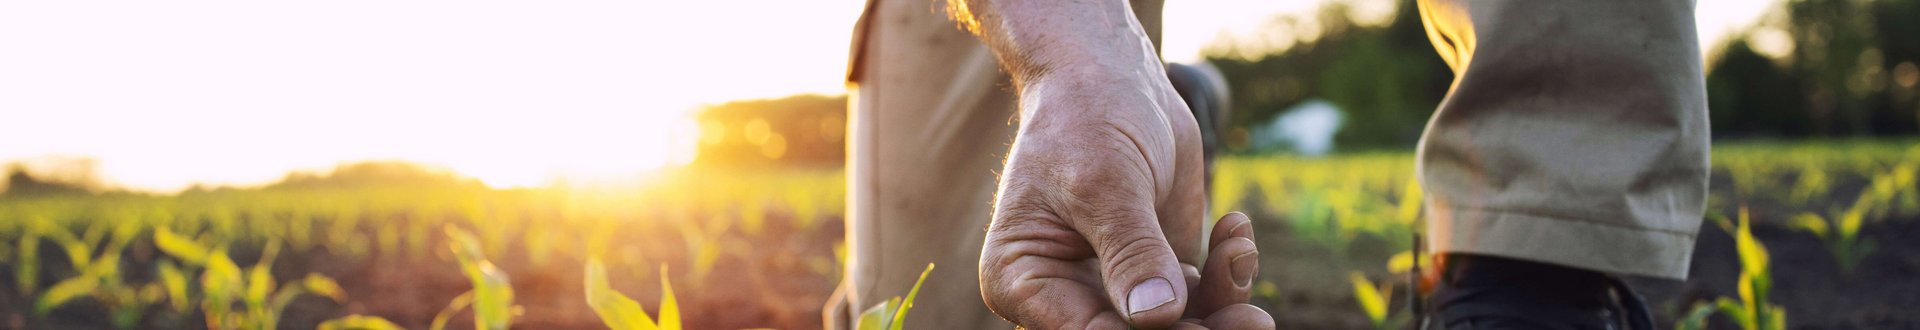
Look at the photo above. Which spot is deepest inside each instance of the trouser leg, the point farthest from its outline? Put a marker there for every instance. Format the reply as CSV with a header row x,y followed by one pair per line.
x,y
1575,133
929,124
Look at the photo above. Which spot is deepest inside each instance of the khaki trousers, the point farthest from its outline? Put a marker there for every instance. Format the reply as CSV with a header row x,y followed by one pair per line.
x,y
1575,134
929,124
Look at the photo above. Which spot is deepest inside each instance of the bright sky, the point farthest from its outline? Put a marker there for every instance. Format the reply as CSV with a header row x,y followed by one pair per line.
x,y
165,94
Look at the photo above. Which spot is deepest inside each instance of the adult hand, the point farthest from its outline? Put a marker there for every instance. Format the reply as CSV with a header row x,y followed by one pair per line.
x,y
1100,211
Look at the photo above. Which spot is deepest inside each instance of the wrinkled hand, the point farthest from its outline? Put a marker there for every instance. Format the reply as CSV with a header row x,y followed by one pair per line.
x,y
1100,210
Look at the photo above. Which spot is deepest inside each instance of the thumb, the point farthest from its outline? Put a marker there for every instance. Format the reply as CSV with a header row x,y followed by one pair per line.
x,y
1140,271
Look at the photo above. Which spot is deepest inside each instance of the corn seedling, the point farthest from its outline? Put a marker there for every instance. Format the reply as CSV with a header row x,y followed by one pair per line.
x,y
622,313
703,245
492,294
1812,185
1373,300
892,315
224,284
1841,235
26,267
99,278
1696,317
1752,311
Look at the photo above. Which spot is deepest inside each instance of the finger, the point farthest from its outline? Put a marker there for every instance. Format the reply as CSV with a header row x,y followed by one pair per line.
x,y
1042,276
1241,316
1191,273
1227,278
1232,264
1234,224
1142,276
1139,270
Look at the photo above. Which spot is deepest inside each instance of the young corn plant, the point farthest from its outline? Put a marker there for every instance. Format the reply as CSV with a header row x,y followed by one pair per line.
x,y
1373,299
1695,318
1841,235
704,245
622,313
1890,193
1752,310
26,267
892,315
99,278
492,294
1813,185
225,284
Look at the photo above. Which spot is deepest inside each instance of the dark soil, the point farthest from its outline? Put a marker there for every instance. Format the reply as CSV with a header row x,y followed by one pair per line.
x,y
759,282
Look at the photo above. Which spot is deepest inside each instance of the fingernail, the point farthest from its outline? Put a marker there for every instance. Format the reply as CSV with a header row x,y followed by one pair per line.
x,y
1149,294
1244,267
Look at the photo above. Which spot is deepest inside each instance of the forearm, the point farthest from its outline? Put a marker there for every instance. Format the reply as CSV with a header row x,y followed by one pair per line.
x,y
1083,39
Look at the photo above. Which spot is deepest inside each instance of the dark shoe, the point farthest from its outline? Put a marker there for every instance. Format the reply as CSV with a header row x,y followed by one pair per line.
x,y
1483,292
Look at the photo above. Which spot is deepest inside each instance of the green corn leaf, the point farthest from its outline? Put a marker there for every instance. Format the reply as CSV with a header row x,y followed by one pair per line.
x,y
106,267
26,272
359,322
260,277
1753,255
179,247
1812,223
615,309
64,291
900,317
96,231
123,234
1410,202
1400,263
1746,293
879,316
79,253
259,284
221,282
175,281
1696,318
1734,310
492,291
669,309
1371,300
446,313
323,286
1776,318
1850,221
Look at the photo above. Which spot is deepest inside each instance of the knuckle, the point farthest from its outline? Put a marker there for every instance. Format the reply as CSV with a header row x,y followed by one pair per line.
x,y
1136,252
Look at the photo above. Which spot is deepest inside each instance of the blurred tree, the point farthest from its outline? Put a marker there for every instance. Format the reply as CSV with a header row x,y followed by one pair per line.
x,y
1832,41
21,183
53,175
1750,95
377,173
1897,24
1849,54
799,130
1830,68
